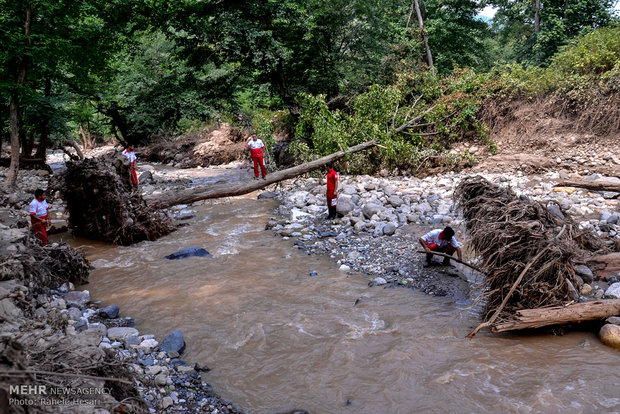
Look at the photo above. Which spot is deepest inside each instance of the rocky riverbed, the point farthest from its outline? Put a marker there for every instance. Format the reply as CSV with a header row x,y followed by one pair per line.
x,y
382,219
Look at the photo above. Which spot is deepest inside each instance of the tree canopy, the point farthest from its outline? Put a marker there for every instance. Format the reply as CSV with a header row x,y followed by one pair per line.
x,y
137,69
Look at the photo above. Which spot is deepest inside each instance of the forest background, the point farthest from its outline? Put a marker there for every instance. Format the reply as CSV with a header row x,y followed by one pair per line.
x,y
417,75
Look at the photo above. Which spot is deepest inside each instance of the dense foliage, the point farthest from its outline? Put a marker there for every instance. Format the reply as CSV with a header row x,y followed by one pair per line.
x,y
345,71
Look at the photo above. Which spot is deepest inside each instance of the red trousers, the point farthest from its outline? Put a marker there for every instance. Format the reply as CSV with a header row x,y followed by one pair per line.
x,y
40,230
331,200
133,176
259,161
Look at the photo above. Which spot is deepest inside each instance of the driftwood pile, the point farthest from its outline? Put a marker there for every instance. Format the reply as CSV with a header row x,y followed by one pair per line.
x,y
103,204
43,267
527,252
71,362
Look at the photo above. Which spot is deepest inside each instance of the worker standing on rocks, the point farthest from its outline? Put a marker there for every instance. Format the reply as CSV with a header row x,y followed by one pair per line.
x,y
332,190
441,241
256,152
131,156
38,215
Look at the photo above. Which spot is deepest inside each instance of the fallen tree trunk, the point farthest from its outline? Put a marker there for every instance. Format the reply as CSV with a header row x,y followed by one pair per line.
x,y
557,315
171,198
596,185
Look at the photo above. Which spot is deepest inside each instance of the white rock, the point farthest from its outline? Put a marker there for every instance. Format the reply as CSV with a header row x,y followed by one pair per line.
x,y
344,268
613,291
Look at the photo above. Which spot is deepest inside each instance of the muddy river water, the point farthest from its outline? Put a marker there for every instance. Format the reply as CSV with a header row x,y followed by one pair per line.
x,y
278,339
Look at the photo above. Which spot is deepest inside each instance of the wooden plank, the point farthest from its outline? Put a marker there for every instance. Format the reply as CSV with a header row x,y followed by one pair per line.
x,y
559,315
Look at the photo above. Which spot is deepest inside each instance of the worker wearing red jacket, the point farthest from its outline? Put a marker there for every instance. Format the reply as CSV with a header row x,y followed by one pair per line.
x,y
131,156
38,215
256,152
332,190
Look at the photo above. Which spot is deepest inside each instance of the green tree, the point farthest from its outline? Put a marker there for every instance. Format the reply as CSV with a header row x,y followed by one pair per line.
x,y
559,22
456,35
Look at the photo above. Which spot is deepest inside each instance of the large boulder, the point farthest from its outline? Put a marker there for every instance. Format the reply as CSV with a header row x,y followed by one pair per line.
x,y
174,342
345,205
370,209
610,335
188,252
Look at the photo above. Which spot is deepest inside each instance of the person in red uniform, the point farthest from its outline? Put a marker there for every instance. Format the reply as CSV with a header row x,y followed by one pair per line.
x,y
38,215
442,241
256,151
131,156
332,190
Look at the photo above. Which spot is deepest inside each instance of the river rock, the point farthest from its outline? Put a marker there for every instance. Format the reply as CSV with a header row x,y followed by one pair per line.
x,y
585,273
389,229
8,310
77,297
614,320
379,281
74,314
160,379
148,345
610,335
173,342
146,177
185,215
555,211
345,205
395,201
267,194
188,252
370,209
122,332
613,291
349,189
109,312
344,268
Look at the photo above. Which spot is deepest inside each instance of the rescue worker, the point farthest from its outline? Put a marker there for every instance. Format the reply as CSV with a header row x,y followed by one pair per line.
x,y
131,156
442,241
256,152
38,215
332,191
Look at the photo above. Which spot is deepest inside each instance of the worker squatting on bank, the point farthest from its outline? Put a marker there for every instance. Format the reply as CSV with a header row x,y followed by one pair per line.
x,y
441,241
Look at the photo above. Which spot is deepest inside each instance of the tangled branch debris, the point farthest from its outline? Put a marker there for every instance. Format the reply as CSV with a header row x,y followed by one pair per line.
x,y
47,266
527,252
103,205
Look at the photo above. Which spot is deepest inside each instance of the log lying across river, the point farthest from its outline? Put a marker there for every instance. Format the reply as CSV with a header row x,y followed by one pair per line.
x,y
557,315
172,198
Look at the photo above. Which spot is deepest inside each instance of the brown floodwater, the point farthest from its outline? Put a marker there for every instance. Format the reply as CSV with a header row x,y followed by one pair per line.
x,y
278,339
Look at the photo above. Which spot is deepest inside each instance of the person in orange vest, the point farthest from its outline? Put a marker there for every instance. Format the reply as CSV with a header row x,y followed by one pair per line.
x,y
256,152
332,190
38,215
131,156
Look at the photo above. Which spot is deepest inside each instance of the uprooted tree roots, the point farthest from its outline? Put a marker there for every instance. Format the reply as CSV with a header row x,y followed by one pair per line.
x,y
71,362
526,251
103,205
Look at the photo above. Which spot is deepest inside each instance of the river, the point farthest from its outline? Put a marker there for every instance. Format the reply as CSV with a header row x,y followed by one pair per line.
x,y
278,339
